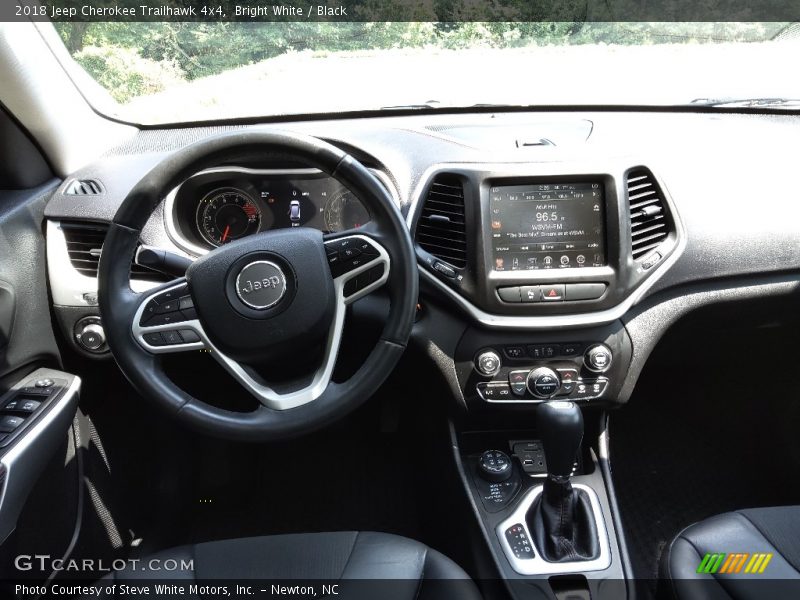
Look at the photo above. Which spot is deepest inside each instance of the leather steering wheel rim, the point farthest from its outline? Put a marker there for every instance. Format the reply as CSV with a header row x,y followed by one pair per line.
x,y
119,304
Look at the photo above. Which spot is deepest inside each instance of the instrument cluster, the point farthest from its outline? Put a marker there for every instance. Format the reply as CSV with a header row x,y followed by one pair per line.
x,y
219,206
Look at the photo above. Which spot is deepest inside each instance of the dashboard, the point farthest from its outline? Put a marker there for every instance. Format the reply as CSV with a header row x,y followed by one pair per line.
x,y
218,206
575,256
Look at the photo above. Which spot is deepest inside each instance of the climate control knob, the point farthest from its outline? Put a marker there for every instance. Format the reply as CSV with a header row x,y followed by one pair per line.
x,y
598,358
543,382
487,363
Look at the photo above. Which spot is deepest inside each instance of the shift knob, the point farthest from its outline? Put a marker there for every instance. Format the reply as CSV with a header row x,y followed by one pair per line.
x,y
560,426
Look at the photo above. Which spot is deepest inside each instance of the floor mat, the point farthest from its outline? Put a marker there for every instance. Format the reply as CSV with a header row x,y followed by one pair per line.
x,y
698,439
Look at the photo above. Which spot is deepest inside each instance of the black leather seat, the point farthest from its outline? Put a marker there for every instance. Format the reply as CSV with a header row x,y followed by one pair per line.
x,y
403,568
773,531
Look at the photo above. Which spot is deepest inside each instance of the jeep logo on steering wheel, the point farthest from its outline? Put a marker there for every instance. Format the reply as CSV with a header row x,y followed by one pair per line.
x,y
261,284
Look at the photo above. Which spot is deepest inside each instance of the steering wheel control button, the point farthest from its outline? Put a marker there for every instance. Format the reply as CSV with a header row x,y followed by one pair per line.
x,y
530,293
365,279
347,254
171,337
261,284
598,358
494,466
154,339
185,302
189,336
487,363
509,294
543,382
168,307
553,292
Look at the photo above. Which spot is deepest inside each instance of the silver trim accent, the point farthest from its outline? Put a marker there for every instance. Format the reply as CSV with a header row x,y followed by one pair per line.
x,y
30,452
538,565
68,285
249,380
283,284
547,169
188,246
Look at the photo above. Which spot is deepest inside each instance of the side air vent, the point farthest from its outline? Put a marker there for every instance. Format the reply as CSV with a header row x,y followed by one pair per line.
x,y
648,215
85,244
441,230
86,187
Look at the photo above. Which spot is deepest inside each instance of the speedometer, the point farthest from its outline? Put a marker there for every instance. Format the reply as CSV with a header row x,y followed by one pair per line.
x,y
345,211
227,214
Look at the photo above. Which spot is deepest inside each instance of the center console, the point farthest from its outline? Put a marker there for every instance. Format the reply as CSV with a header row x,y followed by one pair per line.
x,y
543,260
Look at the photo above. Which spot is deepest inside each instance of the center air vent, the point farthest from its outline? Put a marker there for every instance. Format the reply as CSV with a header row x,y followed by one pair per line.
x,y
441,230
648,213
85,244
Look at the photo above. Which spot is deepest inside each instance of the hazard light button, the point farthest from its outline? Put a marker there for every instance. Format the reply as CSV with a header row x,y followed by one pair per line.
x,y
553,293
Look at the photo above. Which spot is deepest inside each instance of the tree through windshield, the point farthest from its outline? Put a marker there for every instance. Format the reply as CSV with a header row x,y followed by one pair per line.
x,y
173,72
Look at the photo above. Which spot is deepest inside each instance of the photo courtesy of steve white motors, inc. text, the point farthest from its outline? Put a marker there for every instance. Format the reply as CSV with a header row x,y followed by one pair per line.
x,y
161,590
252,11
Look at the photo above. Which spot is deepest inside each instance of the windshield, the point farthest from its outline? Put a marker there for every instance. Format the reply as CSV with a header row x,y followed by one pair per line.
x,y
178,72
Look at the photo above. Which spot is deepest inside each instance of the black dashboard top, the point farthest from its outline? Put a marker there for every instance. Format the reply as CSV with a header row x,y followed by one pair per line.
x,y
728,177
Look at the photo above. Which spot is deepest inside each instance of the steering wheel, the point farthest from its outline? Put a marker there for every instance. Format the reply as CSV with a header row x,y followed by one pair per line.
x,y
262,297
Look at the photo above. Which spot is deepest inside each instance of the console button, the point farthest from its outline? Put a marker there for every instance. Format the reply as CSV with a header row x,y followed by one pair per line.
x,y
509,294
584,291
531,293
9,423
567,373
44,383
518,380
553,292
543,382
494,391
571,349
567,388
543,350
515,352
598,358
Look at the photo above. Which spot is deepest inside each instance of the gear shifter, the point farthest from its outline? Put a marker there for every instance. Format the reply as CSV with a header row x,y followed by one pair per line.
x,y
561,519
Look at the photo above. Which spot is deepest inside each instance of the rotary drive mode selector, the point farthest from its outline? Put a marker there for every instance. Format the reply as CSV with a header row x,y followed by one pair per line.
x,y
487,363
543,382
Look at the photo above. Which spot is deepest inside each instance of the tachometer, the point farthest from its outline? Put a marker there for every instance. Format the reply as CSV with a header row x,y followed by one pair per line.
x,y
227,214
345,211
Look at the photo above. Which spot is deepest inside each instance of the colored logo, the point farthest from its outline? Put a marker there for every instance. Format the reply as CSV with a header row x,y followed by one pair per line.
x,y
738,562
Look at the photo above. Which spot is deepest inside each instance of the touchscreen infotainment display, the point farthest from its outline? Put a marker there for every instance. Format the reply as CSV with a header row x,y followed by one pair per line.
x,y
547,226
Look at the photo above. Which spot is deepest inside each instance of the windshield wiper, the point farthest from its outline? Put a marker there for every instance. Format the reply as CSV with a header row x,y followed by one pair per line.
x,y
749,102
